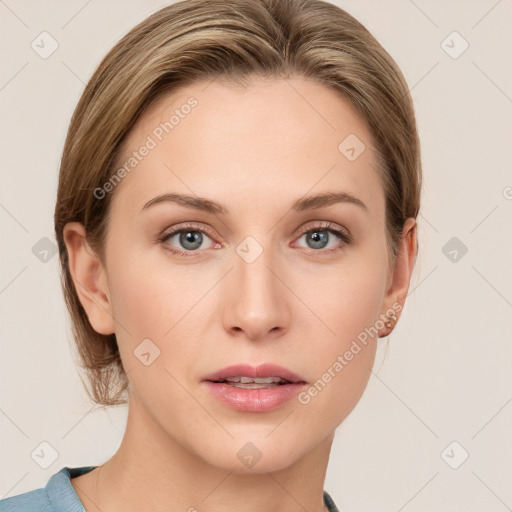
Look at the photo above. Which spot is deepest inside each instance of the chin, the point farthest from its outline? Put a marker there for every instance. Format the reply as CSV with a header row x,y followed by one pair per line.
x,y
255,454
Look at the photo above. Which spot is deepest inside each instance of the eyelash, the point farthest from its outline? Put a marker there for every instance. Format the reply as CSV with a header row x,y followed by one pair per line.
x,y
323,226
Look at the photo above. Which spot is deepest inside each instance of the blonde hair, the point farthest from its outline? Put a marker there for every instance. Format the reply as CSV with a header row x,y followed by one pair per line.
x,y
232,40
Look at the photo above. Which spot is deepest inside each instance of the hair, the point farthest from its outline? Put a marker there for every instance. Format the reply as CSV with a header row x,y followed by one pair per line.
x,y
231,40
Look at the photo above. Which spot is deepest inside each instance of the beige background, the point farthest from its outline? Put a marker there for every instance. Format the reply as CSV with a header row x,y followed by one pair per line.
x,y
447,375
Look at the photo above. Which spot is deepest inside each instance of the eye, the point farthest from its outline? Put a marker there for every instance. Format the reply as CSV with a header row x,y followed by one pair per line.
x,y
185,240
324,235
188,240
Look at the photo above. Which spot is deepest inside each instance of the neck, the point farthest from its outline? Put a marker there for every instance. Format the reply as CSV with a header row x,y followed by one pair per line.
x,y
152,471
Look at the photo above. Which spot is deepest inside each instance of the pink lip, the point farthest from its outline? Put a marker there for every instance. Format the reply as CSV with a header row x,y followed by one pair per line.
x,y
262,371
254,400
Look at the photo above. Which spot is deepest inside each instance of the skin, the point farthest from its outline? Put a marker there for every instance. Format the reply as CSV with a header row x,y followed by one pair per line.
x,y
255,150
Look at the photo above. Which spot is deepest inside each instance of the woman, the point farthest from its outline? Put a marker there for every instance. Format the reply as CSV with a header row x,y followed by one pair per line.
x,y
236,221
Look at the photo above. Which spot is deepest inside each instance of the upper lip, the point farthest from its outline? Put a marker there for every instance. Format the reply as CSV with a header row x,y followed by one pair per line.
x,y
261,371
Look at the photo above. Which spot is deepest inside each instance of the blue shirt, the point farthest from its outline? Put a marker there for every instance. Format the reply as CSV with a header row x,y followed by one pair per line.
x,y
60,496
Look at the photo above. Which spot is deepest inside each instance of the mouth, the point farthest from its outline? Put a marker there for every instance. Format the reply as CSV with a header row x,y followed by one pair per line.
x,y
254,389
253,383
264,375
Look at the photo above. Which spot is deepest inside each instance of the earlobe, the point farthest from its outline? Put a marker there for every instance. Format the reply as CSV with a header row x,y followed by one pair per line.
x,y
89,278
401,277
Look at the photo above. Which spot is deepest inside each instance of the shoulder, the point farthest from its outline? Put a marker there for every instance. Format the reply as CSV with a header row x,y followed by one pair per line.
x,y
28,501
57,496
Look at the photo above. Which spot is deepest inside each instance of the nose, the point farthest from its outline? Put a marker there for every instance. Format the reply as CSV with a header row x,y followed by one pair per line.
x,y
256,300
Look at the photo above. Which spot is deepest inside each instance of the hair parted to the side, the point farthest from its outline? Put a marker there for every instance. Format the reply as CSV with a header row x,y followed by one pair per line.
x,y
232,40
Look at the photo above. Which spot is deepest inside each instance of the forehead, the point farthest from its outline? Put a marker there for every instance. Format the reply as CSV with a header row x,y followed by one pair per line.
x,y
273,139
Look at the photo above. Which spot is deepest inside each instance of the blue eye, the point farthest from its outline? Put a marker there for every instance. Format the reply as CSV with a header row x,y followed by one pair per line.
x,y
188,240
320,237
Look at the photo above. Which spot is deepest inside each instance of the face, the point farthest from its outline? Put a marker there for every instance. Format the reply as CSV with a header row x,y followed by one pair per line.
x,y
262,276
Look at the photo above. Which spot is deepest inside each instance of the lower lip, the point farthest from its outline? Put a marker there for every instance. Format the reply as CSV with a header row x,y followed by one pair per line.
x,y
254,400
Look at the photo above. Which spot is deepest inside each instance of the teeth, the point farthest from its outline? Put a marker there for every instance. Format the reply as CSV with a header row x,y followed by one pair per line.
x,y
253,385
256,380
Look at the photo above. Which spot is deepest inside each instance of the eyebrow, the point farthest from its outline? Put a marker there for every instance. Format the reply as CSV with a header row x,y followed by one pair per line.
x,y
326,199
305,203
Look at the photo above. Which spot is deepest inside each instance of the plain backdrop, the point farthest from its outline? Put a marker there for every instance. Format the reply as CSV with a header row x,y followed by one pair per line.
x,y
432,430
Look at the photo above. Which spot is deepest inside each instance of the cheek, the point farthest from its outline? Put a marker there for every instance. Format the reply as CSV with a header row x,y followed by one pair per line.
x,y
346,297
158,307
342,361
356,303
349,304
151,294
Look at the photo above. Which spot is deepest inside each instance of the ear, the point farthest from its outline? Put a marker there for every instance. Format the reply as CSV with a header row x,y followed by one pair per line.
x,y
89,278
398,283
